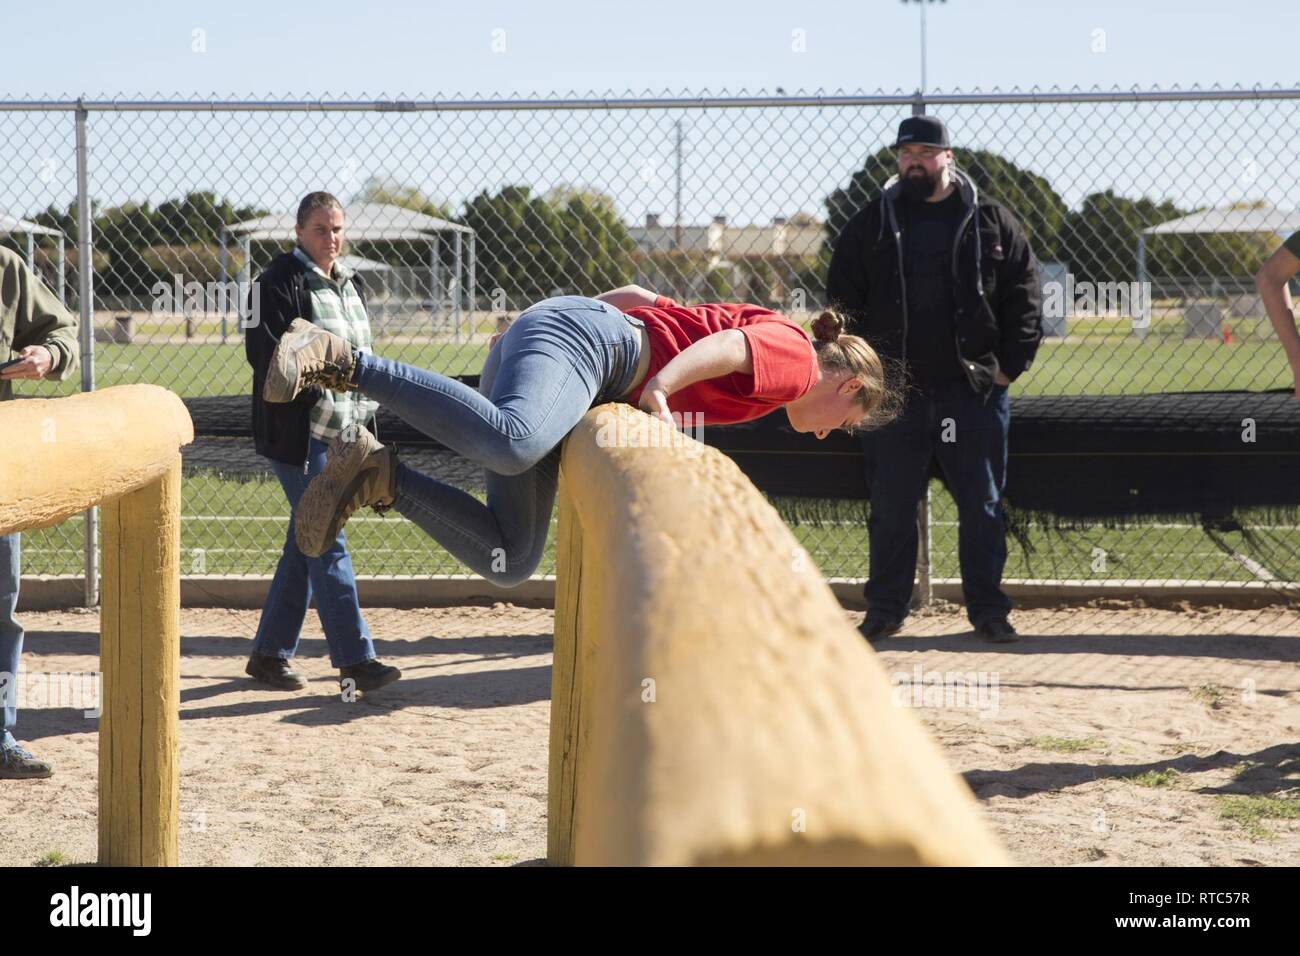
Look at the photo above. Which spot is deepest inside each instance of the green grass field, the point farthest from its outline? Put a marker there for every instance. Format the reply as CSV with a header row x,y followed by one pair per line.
x,y
233,527
1100,357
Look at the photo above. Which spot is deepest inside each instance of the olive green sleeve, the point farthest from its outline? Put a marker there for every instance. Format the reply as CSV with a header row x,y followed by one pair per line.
x,y
36,316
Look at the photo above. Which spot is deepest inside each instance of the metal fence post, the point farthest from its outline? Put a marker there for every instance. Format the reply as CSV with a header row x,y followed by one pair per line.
x,y
471,288
459,296
225,299
63,272
85,294
924,593
435,282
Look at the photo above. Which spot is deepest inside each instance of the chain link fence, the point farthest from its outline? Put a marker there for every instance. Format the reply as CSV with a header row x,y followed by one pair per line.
x,y
1149,211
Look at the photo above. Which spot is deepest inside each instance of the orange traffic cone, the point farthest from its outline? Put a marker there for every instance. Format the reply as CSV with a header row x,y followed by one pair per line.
x,y
1227,335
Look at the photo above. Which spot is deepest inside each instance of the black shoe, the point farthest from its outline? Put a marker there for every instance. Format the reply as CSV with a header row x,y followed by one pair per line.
x,y
998,630
368,675
274,671
19,764
878,628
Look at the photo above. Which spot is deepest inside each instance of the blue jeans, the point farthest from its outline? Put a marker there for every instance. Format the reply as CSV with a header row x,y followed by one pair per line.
x,y
299,578
11,635
968,434
558,359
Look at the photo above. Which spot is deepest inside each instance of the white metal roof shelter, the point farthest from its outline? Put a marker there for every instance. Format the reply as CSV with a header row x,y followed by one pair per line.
x,y
12,225
1257,218
373,222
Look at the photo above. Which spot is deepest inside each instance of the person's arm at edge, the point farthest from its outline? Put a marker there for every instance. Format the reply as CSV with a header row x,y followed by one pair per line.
x,y
39,319
1271,281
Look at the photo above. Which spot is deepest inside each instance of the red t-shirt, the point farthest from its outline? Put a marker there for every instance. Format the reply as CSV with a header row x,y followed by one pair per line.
x,y
785,364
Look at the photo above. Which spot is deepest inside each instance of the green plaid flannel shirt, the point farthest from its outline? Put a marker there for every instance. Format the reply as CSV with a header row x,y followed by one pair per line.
x,y
336,307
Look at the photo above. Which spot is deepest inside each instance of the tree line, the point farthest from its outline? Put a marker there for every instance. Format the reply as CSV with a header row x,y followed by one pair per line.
x,y
532,245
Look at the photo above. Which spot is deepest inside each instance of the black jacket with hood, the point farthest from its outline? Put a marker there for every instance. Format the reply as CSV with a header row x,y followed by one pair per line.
x,y
280,432
998,311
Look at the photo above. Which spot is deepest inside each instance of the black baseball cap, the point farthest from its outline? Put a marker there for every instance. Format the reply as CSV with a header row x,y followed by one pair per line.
x,y
923,131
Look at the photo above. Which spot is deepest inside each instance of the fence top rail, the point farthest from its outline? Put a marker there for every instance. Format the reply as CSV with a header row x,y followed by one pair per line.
x,y
1031,97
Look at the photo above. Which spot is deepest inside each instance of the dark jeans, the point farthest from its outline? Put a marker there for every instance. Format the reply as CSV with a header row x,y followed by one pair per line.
x,y
11,636
298,579
968,434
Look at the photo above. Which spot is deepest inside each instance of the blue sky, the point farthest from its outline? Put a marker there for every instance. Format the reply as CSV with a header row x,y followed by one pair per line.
x,y
442,48
749,165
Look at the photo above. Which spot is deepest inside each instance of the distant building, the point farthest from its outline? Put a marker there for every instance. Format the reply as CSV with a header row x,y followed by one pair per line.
x,y
800,236
652,237
757,263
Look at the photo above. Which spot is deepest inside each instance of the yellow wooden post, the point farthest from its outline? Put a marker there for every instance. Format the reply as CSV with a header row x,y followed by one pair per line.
x,y
118,448
565,693
139,758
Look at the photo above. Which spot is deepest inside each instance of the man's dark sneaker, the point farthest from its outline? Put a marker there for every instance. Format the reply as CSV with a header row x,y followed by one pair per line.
x,y
368,675
274,671
998,630
19,764
878,628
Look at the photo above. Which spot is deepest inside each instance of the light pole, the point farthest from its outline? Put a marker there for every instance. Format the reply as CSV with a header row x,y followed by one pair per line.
x,y
923,4
677,213
924,592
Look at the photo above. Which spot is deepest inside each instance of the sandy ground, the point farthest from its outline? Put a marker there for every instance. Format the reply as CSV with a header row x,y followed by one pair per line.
x,y
1110,736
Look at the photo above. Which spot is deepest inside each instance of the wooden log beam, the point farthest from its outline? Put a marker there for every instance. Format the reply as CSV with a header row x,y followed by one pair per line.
x,y
70,454
711,703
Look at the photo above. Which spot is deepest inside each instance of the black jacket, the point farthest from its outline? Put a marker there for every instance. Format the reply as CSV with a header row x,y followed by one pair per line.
x,y
280,432
999,318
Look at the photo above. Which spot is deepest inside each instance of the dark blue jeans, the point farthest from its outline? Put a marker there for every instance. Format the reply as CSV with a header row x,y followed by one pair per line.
x,y
298,579
11,636
968,434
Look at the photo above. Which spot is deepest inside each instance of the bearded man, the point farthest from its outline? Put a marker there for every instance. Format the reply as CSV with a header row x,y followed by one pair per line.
x,y
941,280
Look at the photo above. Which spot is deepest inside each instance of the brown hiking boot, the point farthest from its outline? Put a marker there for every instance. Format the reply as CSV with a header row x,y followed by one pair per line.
x,y
358,472
307,355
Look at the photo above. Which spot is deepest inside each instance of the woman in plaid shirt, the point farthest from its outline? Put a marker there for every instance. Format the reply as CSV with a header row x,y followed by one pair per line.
x,y
309,283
